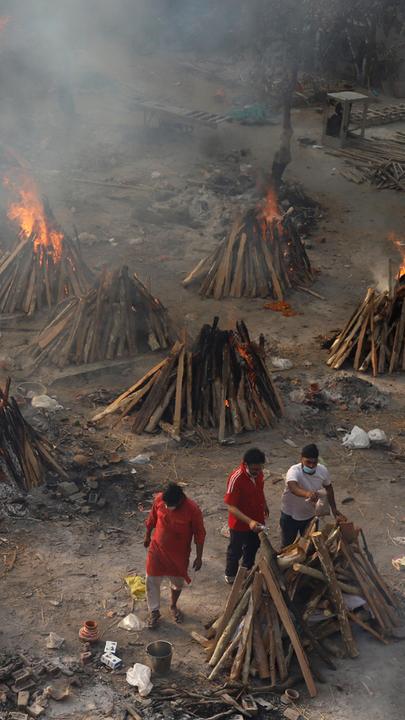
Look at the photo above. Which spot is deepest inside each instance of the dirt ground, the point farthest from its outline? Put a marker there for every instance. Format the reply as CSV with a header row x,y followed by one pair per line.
x,y
70,567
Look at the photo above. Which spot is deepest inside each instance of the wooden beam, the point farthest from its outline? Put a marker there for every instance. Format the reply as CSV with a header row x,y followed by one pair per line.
x,y
289,627
335,594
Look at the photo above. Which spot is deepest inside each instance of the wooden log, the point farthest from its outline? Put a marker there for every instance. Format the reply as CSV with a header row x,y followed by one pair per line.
x,y
230,628
282,610
278,644
179,392
230,605
223,660
355,618
335,593
238,663
312,572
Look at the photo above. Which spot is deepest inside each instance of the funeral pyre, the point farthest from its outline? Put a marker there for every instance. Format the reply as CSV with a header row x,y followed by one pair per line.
x,y
281,612
222,383
263,256
117,318
45,266
25,454
374,337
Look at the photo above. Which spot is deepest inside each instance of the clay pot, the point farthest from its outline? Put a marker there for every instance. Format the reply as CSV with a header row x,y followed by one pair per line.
x,y
89,632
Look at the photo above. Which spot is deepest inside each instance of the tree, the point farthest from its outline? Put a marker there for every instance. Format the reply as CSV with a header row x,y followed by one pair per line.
x,y
298,35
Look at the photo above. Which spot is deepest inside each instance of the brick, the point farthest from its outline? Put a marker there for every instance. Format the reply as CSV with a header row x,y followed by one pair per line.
x,y
17,716
23,674
22,699
35,710
23,685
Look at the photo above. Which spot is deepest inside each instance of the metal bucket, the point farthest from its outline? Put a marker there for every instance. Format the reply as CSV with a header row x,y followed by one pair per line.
x,y
159,655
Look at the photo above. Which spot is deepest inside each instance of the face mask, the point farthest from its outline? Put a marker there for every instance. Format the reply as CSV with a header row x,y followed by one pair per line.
x,y
308,470
169,507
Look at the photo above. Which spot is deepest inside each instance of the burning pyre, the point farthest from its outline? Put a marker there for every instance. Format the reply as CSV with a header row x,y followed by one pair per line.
x,y
223,383
375,334
262,257
45,266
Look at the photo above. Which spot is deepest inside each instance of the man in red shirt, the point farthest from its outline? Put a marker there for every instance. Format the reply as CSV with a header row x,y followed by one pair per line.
x,y
175,521
248,510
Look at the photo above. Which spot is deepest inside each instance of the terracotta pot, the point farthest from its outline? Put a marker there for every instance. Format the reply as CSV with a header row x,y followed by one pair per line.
x,y
89,632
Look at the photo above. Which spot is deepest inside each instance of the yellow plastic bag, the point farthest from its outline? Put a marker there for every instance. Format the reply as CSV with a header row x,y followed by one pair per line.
x,y
136,585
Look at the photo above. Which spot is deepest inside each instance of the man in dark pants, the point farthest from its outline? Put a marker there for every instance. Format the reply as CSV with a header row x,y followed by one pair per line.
x,y
305,483
247,511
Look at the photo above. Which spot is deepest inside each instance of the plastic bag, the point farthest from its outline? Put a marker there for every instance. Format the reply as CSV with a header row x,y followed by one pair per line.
x,y
139,676
378,437
356,439
136,585
54,641
45,402
140,460
131,622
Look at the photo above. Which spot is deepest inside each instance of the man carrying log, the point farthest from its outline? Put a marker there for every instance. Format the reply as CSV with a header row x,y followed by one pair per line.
x,y
174,521
306,483
248,510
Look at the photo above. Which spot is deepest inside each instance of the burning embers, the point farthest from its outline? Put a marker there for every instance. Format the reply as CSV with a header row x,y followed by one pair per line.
x,y
263,256
223,383
45,266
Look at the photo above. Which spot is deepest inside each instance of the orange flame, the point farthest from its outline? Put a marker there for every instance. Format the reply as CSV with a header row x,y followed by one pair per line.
x,y
400,244
31,217
270,206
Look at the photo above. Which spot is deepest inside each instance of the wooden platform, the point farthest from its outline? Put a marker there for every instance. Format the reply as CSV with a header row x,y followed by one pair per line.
x,y
162,112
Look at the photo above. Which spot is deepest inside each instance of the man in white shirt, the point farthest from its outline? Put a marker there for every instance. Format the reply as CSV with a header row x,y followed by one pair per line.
x,y
303,488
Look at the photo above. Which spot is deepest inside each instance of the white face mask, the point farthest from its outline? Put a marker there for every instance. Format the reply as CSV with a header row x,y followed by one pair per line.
x,y
168,507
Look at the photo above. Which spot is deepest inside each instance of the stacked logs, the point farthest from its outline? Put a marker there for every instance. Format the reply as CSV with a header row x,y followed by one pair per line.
x,y
118,318
25,454
375,334
223,383
262,257
282,610
31,280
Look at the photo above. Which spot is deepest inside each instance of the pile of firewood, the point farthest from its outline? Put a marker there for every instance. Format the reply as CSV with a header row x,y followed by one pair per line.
x,y
223,383
32,279
375,334
118,318
262,257
380,162
25,454
288,604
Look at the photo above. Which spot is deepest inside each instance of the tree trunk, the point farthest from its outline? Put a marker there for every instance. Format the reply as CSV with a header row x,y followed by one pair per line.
x,y
282,157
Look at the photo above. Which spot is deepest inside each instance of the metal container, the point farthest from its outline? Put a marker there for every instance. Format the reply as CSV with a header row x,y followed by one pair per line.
x,y
159,655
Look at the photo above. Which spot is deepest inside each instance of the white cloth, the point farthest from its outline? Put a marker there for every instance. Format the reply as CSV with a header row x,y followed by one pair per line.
x,y
298,507
153,583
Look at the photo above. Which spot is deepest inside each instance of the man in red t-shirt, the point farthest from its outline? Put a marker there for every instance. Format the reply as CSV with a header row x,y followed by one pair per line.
x,y
248,510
